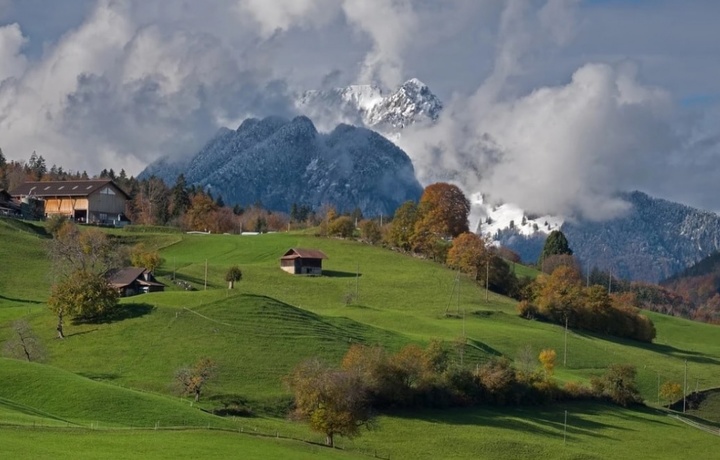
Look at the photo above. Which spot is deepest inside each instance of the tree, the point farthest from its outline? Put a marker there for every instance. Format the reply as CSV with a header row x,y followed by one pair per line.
x,y
343,226
403,225
80,260
468,254
24,344
671,391
555,244
83,295
444,210
333,401
54,223
547,359
233,274
201,209
550,263
557,295
193,379
37,166
618,384
3,160
370,231
145,258
89,250
180,198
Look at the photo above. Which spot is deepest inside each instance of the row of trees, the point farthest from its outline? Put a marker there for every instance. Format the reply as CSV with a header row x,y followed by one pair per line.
x,y
14,173
562,298
341,400
435,228
152,202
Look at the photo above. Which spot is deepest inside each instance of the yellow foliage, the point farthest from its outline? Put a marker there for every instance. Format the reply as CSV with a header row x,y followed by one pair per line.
x,y
547,359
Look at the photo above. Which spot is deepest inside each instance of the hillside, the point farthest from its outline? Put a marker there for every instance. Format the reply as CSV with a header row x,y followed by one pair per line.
x,y
279,162
699,286
654,240
273,320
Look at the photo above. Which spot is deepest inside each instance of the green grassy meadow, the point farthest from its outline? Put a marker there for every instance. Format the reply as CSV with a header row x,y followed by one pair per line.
x,y
117,377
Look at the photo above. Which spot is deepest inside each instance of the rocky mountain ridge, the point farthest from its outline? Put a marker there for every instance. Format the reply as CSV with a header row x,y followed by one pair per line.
x,y
654,240
279,162
369,106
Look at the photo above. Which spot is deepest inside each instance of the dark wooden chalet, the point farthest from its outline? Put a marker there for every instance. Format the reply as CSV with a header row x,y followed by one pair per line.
x,y
133,280
303,261
8,207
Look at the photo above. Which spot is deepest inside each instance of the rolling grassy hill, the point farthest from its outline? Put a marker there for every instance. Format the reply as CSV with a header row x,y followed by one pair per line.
x,y
273,320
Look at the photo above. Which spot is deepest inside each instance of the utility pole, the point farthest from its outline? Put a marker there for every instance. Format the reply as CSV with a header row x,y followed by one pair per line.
x,y
206,274
609,281
487,279
565,352
588,273
685,388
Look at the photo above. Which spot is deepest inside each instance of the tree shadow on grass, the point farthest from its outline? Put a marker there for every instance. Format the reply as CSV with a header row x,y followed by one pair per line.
x,y
692,356
120,313
100,376
231,405
11,299
81,332
339,274
539,420
483,347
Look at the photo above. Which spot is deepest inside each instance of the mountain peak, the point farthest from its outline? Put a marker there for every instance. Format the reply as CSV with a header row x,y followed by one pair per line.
x,y
414,83
411,103
371,107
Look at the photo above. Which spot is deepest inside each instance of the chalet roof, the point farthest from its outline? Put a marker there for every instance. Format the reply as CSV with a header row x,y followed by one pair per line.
x,y
301,253
122,277
64,188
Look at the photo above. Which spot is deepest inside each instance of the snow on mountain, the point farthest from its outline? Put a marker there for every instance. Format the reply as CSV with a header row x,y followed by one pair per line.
x,y
493,219
370,107
412,103
283,162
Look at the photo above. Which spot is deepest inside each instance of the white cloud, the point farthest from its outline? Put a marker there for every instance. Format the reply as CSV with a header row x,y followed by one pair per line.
x,y
280,15
12,61
552,104
391,26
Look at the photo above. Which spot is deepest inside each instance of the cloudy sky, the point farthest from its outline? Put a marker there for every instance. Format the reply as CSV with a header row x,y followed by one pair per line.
x,y
550,104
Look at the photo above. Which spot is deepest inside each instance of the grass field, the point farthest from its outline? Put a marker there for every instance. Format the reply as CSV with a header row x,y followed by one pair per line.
x,y
273,320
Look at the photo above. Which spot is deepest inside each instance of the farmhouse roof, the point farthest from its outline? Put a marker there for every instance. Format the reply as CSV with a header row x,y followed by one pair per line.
x,y
64,188
301,253
122,277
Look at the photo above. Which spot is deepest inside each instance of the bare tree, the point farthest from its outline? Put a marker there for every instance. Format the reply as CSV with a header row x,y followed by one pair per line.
x,y
24,344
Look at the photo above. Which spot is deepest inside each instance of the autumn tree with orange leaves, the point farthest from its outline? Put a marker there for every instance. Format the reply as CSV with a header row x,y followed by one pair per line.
x,y
468,254
442,215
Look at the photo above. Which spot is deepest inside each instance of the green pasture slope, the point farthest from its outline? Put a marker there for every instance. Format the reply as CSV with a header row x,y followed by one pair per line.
x,y
117,375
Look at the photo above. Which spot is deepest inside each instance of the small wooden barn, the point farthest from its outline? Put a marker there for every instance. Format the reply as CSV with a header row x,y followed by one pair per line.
x,y
300,261
133,280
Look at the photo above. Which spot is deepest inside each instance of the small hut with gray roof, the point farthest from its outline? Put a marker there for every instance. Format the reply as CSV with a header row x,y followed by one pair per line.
x,y
300,261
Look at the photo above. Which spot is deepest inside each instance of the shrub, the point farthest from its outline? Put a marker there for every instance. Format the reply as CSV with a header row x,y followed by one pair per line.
x,y
343,226
618,385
